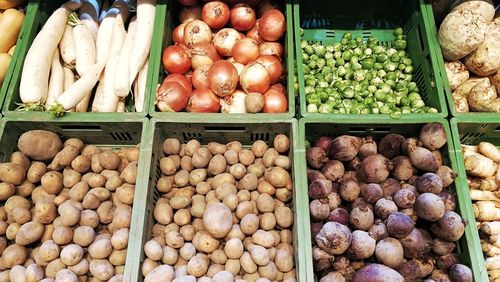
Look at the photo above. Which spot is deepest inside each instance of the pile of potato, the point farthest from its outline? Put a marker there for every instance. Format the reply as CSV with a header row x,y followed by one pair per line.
x,y
65,210
225,214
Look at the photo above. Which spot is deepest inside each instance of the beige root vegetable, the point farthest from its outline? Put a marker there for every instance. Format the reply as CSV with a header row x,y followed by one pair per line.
x,y
490,151
481,96
460,102
479,166
489,249
492,263
478,195
486,211
457,73
490,228
485,60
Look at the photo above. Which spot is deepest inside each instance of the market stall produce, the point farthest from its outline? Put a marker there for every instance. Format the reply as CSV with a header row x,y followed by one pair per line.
x,y
83,45
225,57
224,213
66,209
11,20
469,37
382,210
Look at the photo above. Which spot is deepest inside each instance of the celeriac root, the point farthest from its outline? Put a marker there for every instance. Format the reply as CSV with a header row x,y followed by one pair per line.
x,y
486,211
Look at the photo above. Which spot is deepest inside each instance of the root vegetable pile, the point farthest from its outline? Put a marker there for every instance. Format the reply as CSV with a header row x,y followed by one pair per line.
x,y
356,77
225,59
225,213
381,210
483,173
65,210
77,51
470,42
11,20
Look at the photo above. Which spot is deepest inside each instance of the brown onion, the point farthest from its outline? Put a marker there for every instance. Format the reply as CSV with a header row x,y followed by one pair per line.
x,y
255,78
178,34
273,66
203,54
254,34
176,59
266,5
190,14
239,67
215,14
245,51
183,80
200,78
272,25
280,87
234,104
197,31
224,41
242,17
203,101
271,48
171,97
223,78
275,102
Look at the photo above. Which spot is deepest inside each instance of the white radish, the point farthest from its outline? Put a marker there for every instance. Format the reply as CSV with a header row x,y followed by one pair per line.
x,y
85,46
67,46
121,106
35,75
121,81
104,35
84,104
69,78
76,92
56,81
145,22
140,89
107,101
88,14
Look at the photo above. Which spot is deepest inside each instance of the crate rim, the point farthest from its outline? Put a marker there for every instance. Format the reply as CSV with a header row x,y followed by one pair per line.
x,y
470,236
301,98
291,113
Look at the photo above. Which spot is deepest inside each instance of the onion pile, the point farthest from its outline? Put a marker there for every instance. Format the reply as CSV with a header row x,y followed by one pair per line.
x,y
222,52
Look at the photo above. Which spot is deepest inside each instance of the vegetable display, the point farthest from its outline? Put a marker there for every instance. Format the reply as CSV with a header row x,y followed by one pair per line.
x,y
382,211
483,176
65,210
469,37
353,76
231,56
224,213
11,20
80,62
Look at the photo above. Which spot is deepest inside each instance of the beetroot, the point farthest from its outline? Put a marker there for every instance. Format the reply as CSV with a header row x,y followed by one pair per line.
x,y
429,183
361,218
460,273
384,208
433,136
389,252
390,186
422,158
362,245
323,142
333,170
447,261
441,247
316,157
404,198
374,169
449,200
319,209
390,146
344,148
375,272
320,188
339,215
429,206
399,225
372,193
447,175
403,169
417,243
368,148
349,190
378,231
450,227
313,175
416,269
334,238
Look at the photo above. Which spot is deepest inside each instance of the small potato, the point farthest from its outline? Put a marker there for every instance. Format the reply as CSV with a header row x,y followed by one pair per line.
x,y
281,143
214,269
233,266
36,171
29,232
63,158
217,165
20,159
234,248
246,157
204,242
269,271
119,239
247,263
217,219
129,173
269,157
39,145
106,212
49,250
203,188
89,218
12,230
80,268
174,239
3,228
220,179
187,251
244,208
259,147
231,201
45,212
113,182
75,142
201,158
153,250
235,145
163,213
160,273
187,232
118,257
62,235
218,257
198,265
6,190
257,169
90,150
283,162
238,171
20,215
132,154
284,195
278,177
186,163
94,179
66,276
267,221
170,255
12,173
78,191
17,274
191,147
263,238
109,160
16,201
81,164
171,146
95,165
180,202
34,273
101,269
284,216
100,248
25,189
84,235
71,254
52,182
125,194
231,157
148,265
197,176
216,148
70,177
70,214
14,255
265,203
181,178
182,217
167,166
164,184
249,224
248,182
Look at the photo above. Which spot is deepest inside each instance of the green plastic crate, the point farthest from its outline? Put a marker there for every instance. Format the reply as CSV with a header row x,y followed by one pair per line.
x,y
470,130
103,133
42,10
167,20
326,21
444,77
222,131
29,11
468,247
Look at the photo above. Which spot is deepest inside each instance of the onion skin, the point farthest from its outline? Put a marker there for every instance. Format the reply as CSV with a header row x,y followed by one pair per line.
x,y
253,33
187,2
215,13
224,41
200,78
245,51
255,78
190,13
203,54
178,34
197,32
171,97
271,48
275,102
203,101
176,59
273,66
223,78
272,25
184,81
243,17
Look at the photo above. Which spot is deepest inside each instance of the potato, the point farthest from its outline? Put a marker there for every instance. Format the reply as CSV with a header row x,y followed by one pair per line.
x,y
217,165
284,216
284,195
29,232
66,276
265,203
109,160
201,158
81,164
263,238
186,163
182,217
485,60
52,182
248,182
40,145
34,273
233,248
168,166
16,201
64,158
12,173
20,215
4,276
84,235
20,159
283,260
36,171
216,148
69,213
129,174
80,268
238,171
101,269
6,190
214,269
17,274
95,165
174,239
170,255
187,251
188,278
269,157
49,250
45,211
203,188
281,143
231,201
249,224
164,184
62,235
218,220
100,248
125,194
14,255
180,202
94,180
171,146
118,257
221,179
204,242
113,182
78,191
90,150
12,230
89,218
71,254
233,266
269,271
247,263
198,265
119,240
231,157
153,250
25,189
160,273
259,255
106,211
163,212
259,147
181,178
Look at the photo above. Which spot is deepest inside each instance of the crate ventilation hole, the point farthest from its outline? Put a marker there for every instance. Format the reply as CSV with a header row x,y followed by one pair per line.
x,y
121,136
